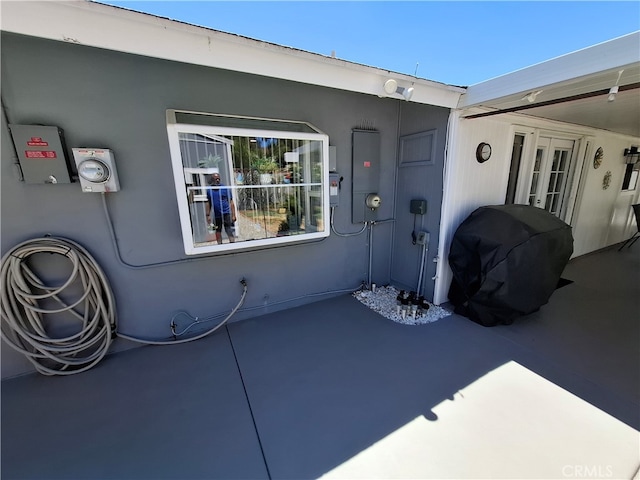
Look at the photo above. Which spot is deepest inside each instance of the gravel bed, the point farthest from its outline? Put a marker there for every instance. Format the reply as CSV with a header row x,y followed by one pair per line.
x,y
383,301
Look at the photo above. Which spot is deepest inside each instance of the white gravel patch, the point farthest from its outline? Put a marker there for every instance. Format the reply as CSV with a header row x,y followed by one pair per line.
x,y
383,301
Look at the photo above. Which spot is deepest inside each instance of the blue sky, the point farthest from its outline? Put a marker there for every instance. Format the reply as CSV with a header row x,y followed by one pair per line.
x,y
459,43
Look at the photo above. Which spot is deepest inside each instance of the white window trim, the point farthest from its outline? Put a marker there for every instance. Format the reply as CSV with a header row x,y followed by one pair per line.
x,y
173,131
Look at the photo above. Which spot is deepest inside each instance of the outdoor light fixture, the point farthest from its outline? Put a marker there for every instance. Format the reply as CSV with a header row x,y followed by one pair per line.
x,y
531,97
391,87
614,89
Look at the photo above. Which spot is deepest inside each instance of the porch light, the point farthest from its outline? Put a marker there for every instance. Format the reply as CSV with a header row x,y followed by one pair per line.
x,y
614,89
391,87
407,93
531,96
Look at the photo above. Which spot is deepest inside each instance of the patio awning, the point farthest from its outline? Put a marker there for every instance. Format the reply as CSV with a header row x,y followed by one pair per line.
x,y
573,88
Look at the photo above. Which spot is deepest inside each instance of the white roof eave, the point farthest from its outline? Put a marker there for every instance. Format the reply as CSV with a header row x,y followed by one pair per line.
x,y
591,61
113,28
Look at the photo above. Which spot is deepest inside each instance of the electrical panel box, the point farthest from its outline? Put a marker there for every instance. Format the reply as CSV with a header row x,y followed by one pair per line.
x,y
418,207
41,153
96,169
334,189
365,173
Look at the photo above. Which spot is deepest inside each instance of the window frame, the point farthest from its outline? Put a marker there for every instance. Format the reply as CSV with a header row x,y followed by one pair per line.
x,y
630,176
174,129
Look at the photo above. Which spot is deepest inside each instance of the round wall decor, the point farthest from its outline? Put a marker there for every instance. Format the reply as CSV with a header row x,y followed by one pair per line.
x,y
483,152
597,158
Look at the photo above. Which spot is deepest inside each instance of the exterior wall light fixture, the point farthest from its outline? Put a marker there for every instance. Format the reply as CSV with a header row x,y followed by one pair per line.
x,y
613,90
531,97
391,87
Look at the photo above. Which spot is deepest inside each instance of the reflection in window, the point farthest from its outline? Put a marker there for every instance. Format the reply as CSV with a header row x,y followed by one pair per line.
x,y
241,187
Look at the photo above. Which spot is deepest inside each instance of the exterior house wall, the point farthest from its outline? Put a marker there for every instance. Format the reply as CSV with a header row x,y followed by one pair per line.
x,y
605,217
600,217
113,100
418,182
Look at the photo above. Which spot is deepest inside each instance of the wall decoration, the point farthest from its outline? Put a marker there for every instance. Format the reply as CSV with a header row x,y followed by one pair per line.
x,y
483,152
598,157
606,181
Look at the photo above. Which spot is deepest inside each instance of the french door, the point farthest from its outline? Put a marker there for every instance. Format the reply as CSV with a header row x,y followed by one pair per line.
x,y
549,180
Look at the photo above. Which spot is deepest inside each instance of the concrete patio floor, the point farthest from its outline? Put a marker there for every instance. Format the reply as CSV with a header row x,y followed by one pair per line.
x,y
332,389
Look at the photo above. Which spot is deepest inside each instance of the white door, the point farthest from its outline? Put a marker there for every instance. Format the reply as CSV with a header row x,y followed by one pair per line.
x,y
550,174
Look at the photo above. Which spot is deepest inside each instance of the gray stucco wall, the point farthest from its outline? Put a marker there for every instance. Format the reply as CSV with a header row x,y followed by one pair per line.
x,y
118,101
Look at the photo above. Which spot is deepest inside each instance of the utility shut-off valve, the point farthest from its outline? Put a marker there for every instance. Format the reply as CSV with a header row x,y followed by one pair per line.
x,y
373,201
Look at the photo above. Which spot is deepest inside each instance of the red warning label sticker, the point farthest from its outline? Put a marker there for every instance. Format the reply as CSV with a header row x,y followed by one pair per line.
x,y
37,142
39,154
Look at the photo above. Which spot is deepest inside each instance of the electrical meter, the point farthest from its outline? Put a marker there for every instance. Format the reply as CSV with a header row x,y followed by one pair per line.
x,y
373,201
96,169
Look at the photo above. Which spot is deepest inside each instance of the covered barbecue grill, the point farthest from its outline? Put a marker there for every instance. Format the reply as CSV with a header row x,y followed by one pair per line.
x,y
506,262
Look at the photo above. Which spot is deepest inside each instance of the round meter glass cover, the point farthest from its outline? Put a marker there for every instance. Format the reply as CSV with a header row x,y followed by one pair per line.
x,y
94,171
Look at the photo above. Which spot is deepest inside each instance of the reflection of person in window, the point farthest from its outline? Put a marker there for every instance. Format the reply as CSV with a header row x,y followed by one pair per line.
x,y
220,208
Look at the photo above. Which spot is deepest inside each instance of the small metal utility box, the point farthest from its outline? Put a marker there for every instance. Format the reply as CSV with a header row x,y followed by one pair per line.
x,y
418,207
41,153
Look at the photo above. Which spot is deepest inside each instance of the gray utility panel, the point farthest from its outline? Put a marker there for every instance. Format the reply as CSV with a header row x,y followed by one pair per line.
x,y
41,152
365,176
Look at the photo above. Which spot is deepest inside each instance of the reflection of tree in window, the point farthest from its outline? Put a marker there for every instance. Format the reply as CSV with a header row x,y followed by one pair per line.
x,y
276,182
270,191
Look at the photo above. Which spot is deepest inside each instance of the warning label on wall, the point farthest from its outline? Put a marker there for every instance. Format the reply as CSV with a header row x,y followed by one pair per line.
x,y
39,154
37,142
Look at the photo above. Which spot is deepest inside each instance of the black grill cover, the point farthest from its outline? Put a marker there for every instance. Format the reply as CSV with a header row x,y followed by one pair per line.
x,y
506,262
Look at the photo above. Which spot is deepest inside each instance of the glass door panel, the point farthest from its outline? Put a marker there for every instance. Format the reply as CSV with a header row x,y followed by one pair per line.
x,y
557,179
533,191
550,172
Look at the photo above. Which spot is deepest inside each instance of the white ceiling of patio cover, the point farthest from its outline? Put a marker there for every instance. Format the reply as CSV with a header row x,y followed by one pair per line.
x,y
589,70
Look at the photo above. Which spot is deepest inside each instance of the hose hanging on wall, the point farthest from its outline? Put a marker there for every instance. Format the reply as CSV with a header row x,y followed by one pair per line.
x,y
26,302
